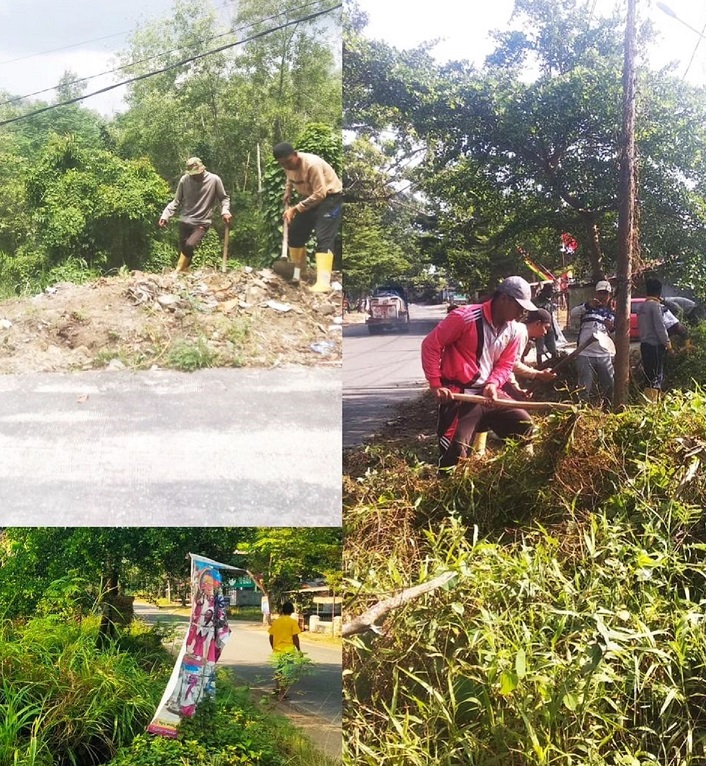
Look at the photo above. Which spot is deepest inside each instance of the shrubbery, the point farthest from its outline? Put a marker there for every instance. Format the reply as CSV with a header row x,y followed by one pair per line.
x,y
65,701
574,632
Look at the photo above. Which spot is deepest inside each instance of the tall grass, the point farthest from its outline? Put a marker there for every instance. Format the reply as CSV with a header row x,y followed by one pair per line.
x,y
575,631
64,701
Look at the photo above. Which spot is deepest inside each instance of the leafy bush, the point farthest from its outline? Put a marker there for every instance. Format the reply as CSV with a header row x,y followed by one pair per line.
x,y
687,366
230,730
65,701
290,667
574,631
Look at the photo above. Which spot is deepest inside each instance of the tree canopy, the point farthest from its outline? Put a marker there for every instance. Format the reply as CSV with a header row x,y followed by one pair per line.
x,y
83,192
516,152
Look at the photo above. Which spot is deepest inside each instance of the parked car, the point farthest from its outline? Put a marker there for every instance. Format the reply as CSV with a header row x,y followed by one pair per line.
x,y
635,303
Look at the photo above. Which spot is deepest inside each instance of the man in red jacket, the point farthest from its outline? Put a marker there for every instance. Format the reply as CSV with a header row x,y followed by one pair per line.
x,y
473,350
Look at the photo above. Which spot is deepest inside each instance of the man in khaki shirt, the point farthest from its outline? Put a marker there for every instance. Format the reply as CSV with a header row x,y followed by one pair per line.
x,y
319,210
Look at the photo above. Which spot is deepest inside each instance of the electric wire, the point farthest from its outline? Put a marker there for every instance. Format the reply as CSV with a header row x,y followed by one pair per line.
x,y
63,48
168,68
15,99
693,54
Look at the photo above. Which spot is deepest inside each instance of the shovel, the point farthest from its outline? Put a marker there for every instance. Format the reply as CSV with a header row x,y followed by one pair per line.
x,y
226,242
601,338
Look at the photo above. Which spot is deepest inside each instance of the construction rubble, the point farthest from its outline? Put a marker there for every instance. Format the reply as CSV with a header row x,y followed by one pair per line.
x,y
244,318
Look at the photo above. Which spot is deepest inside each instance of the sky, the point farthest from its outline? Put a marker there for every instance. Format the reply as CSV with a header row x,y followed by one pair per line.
x,y
463,26
52,24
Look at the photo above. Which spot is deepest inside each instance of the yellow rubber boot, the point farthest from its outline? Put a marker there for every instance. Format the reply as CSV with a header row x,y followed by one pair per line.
x,y
297,255
183,264
479,442
324,267
651,394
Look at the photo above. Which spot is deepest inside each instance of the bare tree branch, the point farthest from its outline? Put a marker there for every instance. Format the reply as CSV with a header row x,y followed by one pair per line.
x,y
370,617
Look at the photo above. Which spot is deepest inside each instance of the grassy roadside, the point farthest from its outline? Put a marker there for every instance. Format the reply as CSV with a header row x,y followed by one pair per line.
x,y
573,631
65,701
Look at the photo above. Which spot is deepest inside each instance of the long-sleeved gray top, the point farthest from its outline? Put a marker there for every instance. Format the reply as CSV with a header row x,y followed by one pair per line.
x,y
196,199
650,323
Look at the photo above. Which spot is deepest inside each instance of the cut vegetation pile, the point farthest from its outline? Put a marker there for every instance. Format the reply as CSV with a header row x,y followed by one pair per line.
x,y
574,630
241,318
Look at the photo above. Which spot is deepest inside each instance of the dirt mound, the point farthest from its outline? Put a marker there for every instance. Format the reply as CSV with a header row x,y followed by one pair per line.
x,y
241,318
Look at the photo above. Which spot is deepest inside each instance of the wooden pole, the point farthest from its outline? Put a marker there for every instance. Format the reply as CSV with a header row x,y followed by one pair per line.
x,y
627,228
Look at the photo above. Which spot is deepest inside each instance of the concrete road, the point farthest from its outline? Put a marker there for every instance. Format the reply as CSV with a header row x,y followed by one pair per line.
x,y
214,447
380,371
317,697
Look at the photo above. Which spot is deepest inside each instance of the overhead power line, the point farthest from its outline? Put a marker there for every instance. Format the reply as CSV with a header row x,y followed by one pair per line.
x,y
168,68
63,48
15,99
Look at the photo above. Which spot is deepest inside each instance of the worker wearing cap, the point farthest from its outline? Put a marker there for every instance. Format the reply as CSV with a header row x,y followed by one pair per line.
x,y
534,326
196,194
319,210
473,350
596,317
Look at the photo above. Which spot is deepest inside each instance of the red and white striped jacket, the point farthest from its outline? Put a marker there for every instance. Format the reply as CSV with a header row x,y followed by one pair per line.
x,y
465,351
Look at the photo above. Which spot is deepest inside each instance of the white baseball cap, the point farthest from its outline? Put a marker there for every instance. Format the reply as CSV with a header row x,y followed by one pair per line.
x,y
519,289
603,286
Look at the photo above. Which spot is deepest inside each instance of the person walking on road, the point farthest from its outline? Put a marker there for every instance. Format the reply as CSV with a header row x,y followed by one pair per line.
x,y
284,640
596,360
654,338
318,210
473,350
196,194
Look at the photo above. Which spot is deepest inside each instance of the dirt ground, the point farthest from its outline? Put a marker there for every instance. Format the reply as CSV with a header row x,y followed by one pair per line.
x,y
241,318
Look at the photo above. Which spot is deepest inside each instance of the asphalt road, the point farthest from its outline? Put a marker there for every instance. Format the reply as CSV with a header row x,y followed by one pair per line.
x,y
317,697
214,447
381,371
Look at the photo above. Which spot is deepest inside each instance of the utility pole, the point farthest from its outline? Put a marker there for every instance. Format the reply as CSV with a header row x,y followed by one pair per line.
x,y
627,224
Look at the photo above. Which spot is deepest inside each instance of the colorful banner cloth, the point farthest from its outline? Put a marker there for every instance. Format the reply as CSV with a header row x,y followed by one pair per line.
x,y
194,673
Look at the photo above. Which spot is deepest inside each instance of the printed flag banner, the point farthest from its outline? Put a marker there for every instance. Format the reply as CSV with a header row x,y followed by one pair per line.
x,y
193,677
544,274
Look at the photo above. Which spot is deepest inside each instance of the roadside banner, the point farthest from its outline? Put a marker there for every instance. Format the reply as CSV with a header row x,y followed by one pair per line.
x,y
194,674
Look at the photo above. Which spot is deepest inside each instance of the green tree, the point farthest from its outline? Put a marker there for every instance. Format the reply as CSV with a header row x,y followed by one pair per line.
x,y
513,163
280,558
91,206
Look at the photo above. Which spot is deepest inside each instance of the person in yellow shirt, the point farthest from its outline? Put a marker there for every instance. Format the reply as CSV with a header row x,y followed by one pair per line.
x,y
284,640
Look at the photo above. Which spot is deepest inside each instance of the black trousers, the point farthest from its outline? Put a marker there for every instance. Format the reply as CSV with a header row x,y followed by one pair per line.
x,y
460,421
653,364
325,218
190,237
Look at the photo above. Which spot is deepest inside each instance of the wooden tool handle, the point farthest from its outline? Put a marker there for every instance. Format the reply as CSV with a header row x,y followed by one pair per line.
x,y
285,237
512,403
226,242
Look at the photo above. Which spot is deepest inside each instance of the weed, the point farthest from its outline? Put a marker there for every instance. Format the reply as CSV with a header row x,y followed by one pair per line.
x,y
238,331
574,633
190,356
